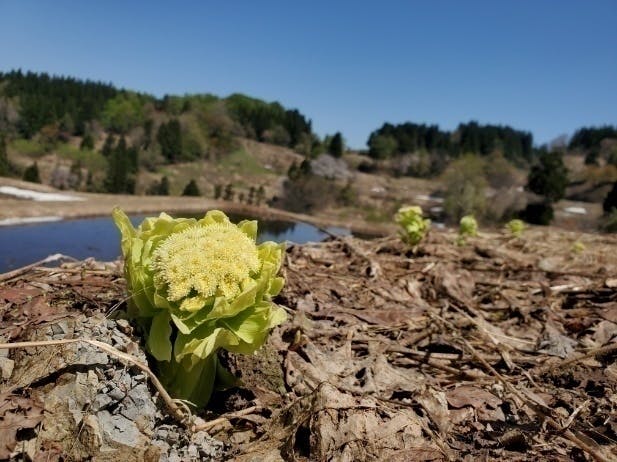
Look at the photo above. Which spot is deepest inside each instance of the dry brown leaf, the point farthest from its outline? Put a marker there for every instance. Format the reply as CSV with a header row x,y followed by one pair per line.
x,y
469,395
17,413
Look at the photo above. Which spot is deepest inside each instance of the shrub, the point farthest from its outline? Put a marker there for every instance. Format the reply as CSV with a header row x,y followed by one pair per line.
x,y
609,224
549,177
538,214
465,188
191,189
31,174
610,201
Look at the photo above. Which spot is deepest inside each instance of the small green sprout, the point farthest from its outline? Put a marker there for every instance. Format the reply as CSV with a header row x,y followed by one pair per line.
x,y
578,247
516,227
468,227
197,286
413,226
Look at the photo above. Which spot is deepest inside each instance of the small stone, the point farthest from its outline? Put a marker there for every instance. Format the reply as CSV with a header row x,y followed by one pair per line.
x,y
60,328
118,429
173,437
90,434
101,401
6,367
118,340
192,451
116,394
173,456
123,324
139,407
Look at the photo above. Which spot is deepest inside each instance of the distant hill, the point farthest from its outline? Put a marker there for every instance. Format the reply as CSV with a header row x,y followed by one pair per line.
x,y
94,137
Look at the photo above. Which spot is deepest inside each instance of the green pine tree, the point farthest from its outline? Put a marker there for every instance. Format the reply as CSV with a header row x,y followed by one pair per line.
x,y
191,189
31,174
5,166
337,145
108,146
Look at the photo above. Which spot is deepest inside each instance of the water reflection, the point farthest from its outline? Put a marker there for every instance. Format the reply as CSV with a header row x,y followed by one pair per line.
x,y
99,238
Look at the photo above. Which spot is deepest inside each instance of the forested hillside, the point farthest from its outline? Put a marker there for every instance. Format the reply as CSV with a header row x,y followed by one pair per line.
x,y
94,137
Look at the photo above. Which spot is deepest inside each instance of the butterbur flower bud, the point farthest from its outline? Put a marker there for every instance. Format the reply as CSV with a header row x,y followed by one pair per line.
x,y
203,285
516,227
413,226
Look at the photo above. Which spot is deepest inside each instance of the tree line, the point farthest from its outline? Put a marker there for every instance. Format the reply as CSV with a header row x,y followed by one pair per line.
x,y
69,106
394,140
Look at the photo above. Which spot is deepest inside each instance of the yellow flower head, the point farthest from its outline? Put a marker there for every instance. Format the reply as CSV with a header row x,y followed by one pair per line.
x,y
204,259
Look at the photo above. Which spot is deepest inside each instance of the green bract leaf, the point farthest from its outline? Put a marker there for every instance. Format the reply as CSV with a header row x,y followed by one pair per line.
x,y
204,284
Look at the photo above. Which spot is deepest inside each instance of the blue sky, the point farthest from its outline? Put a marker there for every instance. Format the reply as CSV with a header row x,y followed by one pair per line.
x,y
544,66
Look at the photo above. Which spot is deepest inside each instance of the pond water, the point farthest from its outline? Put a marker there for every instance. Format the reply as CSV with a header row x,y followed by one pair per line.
x,y
99,238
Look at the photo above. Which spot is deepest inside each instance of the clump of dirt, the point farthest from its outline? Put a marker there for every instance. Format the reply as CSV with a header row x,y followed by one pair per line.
x,y
504,349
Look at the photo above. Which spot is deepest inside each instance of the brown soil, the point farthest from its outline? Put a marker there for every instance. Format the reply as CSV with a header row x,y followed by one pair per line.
x,y
502,349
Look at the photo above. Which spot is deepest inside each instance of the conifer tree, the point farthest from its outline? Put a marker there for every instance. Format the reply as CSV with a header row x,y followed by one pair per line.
x,y
5,166
610,201
164,187
169,137
108,146
31,174
337,145
191,189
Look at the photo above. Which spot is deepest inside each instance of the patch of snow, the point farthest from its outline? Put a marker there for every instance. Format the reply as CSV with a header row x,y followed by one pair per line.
x,y
378,190
28,220
37,195
576,210
424,197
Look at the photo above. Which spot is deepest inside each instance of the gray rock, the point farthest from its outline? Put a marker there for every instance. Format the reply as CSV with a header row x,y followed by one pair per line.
x,y
209,448
116,394
164,447
89,355
174,456
101,401
173,436
139,407
192,451
118,430
60,328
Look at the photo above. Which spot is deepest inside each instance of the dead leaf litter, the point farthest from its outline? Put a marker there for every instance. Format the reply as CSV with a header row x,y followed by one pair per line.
x,y
504,349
